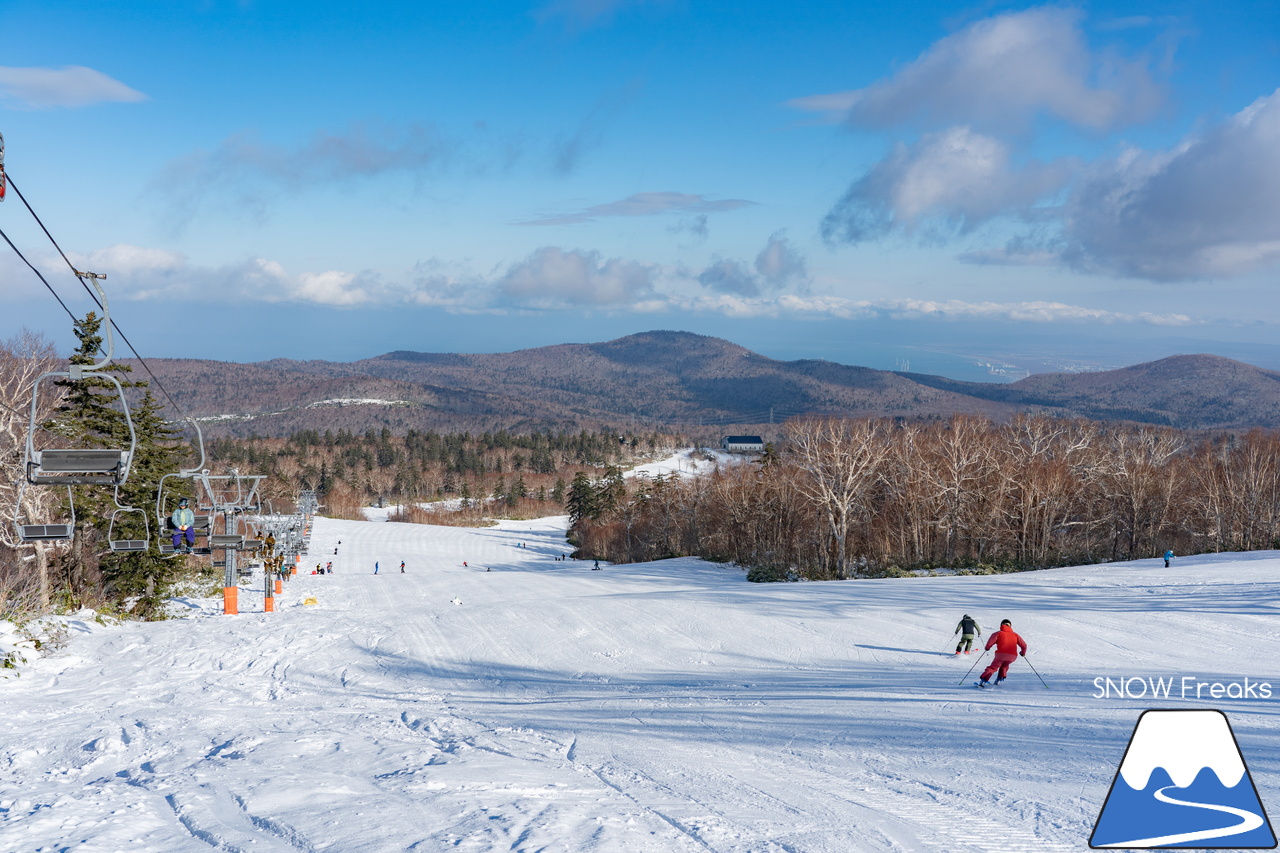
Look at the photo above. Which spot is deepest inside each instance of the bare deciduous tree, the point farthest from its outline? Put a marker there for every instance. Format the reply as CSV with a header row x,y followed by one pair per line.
x,y
842,460
23,358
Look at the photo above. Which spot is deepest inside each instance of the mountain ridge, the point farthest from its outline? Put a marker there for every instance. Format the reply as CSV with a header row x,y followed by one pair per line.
x,y
664,379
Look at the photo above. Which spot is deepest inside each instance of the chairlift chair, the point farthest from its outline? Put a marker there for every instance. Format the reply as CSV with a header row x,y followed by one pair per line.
x,y
164,492
44,532
81,466
127,546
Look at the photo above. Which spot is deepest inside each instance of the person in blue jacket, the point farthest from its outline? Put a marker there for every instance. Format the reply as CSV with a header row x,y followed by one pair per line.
x,y
1168,557
183,520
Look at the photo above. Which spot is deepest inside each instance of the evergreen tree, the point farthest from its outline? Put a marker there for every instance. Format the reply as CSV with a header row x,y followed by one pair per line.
x,y
581,502
610,493
769,458
91,415
144,575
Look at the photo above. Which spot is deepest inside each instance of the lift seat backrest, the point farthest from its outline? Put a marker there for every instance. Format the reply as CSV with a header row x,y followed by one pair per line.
x,y
77,466
200,523
45,532
128,545
226,540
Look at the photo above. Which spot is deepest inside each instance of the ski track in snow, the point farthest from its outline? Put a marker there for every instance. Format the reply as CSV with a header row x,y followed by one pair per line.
x,y
657,707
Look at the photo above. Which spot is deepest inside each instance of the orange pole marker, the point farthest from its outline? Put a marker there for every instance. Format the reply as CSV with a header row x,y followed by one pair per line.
x,y
230,600
269,604
279,586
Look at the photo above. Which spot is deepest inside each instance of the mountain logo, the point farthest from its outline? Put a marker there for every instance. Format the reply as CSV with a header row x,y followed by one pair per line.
x,y
1183,783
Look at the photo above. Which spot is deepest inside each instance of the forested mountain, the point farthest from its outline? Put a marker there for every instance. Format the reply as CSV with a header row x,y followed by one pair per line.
x,y
1187,391
656,379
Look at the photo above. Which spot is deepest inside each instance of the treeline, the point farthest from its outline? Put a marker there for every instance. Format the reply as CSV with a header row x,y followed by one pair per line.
x,y
492,473
856,498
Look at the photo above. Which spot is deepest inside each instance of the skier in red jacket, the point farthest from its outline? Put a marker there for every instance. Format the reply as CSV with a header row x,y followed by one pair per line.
x,y
1008,646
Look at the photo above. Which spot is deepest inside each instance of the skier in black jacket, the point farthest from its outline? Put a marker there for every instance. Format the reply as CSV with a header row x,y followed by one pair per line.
x,y
967,628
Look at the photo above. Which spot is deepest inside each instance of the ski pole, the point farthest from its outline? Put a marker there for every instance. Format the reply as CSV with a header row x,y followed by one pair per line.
x,y
1033,669
975,663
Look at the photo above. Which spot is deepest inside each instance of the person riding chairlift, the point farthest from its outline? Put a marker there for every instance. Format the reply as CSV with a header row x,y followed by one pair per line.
x,y
183,520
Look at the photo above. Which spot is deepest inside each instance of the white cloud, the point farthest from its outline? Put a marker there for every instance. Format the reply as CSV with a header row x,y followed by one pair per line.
x,y
552,277
125,260
1001,72
957,176
733,305
781,264
145,274
729,276
70,86
778,266
1208,208
250,172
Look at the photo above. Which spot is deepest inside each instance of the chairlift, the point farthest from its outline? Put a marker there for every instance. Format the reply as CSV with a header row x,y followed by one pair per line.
x,y
44,532
200,526
127,546
165,492
165,489
232,492
81,466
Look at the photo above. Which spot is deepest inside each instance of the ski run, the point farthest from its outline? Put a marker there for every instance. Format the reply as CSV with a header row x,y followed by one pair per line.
x,y
531,704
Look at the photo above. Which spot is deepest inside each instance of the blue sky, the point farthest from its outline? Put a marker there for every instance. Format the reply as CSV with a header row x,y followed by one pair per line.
x,y
1035,184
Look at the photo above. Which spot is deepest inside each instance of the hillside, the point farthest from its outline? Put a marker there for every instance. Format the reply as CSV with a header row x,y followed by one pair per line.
x,y
1187,391
681,379
523,703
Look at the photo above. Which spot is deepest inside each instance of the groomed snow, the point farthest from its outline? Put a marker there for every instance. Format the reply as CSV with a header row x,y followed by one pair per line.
x,y
689,462
523,703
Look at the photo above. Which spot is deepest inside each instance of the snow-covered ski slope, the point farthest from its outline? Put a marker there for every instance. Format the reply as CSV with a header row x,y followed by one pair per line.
x,y
522,703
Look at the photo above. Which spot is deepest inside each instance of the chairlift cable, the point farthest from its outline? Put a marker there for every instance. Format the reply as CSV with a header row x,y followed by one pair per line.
x,y
81,276
75,319
38,275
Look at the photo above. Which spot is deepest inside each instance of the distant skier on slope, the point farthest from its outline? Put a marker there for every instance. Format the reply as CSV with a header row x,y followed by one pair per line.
x,y
1008,646
375,568
1168,557
967,629
402,567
